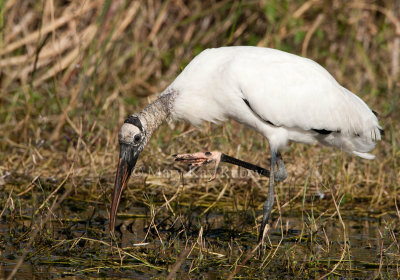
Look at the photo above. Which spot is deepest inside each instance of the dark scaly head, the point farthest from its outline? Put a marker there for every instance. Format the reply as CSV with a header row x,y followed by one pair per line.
x,y
132,139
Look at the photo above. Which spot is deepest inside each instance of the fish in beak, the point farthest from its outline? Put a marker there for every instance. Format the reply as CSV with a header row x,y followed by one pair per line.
x,y
131,143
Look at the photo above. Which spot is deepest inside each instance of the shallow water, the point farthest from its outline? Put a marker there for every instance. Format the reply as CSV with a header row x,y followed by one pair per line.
x,y
225,236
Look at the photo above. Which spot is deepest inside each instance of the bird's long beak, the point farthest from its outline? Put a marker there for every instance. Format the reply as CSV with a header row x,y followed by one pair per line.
x,y
127,159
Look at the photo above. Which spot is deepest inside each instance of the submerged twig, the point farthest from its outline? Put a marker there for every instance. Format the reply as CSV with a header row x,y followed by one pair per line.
x,y
38,228
178,263
344,239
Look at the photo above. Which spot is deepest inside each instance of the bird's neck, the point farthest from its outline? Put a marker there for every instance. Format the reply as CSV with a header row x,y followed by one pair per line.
x,y
156,112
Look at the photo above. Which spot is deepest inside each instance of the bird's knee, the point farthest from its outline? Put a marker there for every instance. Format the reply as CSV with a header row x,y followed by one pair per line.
x,y
280,175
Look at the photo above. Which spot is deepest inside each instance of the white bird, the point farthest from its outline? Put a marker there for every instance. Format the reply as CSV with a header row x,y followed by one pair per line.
x,y
283,96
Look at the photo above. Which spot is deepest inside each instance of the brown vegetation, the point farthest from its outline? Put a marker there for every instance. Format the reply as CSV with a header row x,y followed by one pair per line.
x,y
71,71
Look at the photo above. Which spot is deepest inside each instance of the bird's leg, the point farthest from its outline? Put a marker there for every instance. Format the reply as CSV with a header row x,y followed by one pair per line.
x,y
269,203
200,159
275,174
280,174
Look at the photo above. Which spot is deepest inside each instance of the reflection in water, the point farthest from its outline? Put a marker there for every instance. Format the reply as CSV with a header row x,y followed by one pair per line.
x,y
306,243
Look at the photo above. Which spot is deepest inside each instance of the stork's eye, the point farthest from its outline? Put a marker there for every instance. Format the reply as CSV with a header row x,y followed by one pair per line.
x,y
137,138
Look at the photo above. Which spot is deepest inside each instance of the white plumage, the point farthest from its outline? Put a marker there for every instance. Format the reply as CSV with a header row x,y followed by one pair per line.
x,y
289,97
283,96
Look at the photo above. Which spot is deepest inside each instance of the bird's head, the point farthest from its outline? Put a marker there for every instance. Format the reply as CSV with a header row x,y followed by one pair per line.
x,y
132,139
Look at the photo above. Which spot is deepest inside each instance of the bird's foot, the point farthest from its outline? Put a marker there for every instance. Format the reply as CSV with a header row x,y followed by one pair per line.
x,y
200,159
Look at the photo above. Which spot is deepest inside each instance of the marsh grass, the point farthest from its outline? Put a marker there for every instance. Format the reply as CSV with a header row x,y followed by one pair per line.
x,y
71,71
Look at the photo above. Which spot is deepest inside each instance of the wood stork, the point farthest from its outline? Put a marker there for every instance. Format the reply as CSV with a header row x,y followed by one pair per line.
x,y
282,96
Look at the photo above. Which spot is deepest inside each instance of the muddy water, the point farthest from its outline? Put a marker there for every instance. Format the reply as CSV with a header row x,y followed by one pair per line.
x,y
306,249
